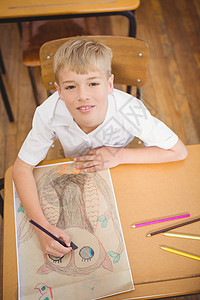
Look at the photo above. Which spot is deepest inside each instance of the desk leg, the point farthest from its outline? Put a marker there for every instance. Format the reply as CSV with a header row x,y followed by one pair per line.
x,y
5,100
2,68
33,83
130,14
1,199
3,91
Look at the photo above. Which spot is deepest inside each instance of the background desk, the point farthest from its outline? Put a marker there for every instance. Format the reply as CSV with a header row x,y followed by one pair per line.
x,y
29,10
143,192
18,11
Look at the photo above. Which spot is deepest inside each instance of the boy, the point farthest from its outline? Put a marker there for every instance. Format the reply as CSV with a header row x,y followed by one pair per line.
x,y
93,122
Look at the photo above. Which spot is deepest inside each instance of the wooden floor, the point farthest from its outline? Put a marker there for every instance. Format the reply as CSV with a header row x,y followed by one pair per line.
x,y
171,29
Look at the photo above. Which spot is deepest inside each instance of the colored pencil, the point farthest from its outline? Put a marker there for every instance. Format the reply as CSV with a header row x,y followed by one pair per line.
x,y
184,236
160,220
72,245
173,227
180,253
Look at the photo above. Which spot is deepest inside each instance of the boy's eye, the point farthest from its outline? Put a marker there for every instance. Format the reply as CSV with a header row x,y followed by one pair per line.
x,y
70,87
94,84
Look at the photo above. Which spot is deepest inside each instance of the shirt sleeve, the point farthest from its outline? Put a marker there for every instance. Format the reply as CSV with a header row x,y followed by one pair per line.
x,y
154,132
142,124
38,141
158,134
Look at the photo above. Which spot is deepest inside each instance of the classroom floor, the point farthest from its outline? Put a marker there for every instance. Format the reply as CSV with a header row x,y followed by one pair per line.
x,y
171,29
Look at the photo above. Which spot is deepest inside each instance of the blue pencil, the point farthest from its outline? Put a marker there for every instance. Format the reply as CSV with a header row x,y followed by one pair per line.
x,y
72,245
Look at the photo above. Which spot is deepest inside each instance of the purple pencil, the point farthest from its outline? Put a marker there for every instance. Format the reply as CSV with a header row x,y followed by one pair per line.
x,y
160,220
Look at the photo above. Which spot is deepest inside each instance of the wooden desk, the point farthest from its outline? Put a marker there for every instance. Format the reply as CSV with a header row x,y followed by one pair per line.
x,y
143,192
29,10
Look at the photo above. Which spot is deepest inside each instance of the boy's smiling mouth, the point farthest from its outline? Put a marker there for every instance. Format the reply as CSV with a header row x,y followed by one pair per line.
x,y
85,108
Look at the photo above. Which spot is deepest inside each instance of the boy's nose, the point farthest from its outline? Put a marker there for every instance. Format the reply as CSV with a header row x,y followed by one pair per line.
x,y
83,93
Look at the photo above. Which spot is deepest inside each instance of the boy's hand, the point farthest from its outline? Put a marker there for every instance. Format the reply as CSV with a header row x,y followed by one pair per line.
x,y
49,245
98,159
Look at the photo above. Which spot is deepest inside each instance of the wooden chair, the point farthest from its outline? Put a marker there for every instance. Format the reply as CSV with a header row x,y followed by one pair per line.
x,y
76,19
129,65
35,33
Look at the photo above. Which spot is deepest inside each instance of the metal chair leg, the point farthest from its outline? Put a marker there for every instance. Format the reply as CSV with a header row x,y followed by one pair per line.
x,y
1,206
5,100
128,89
130,14
33,83
3,91
2,68
30,71
1,199
139,92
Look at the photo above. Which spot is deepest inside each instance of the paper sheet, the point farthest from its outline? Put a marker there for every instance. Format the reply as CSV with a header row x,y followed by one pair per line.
x,y
84,206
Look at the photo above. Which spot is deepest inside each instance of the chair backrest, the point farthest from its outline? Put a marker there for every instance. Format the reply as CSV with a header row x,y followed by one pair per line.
x,y
129,64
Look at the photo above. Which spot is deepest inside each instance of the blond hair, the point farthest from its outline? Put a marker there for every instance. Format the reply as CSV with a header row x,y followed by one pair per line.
x,y
81,54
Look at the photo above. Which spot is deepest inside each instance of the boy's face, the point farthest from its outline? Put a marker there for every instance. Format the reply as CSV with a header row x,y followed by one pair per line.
x,y
86,96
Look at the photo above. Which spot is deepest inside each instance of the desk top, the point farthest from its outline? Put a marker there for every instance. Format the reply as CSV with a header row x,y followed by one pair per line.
x,y
33,8
143,192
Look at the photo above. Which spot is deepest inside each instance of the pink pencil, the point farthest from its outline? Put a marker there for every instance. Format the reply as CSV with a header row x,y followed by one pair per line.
x,y
160,220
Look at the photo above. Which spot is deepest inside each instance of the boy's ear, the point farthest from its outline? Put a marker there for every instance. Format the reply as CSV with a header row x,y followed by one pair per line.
x,y
58,89
111,84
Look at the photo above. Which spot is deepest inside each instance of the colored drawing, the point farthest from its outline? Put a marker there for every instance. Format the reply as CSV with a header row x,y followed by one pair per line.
x,y
84,206
45,291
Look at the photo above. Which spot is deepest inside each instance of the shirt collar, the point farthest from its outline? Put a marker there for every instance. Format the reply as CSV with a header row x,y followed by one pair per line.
x,y
62,116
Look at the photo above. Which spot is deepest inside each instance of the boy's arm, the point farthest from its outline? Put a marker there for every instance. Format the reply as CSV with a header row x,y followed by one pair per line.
x,y
108,157
154,154
27,191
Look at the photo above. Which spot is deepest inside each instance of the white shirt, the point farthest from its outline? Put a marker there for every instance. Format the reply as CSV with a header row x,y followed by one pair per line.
x,y
126,118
